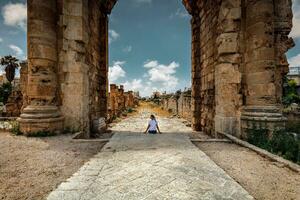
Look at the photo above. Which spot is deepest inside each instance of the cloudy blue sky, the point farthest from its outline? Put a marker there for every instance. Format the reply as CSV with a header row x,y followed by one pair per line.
x,y
149,42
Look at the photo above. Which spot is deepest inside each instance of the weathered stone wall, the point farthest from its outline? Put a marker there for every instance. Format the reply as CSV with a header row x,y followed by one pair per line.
x,y
228,70
120,101
74,68
169,104
204,60
84,60
184,106
129,99
96,59
180,104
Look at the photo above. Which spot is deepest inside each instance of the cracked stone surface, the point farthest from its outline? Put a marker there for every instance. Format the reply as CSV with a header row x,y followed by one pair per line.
x,y
138,166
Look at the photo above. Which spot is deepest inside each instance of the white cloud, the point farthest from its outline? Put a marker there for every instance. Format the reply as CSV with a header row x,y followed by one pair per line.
x,y
162,74
1,40
151,64
15,15
134,85
17,50
180,13
158,77
127,49
295,61
112,36
116,71
296,19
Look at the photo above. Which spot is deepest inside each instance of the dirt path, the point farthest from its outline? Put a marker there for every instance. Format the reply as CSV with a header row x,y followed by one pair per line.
x,y
31,167
262,178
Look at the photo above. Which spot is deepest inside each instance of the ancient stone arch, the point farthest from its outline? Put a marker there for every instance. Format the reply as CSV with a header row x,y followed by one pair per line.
x,y
238,61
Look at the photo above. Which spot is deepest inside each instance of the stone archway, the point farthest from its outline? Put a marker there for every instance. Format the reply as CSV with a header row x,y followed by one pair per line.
x,y
238,61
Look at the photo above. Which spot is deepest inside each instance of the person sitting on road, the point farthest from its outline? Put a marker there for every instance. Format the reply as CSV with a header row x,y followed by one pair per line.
x,y
152,126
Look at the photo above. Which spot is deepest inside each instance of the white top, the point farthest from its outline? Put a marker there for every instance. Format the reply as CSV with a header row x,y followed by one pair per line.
x,y
152,125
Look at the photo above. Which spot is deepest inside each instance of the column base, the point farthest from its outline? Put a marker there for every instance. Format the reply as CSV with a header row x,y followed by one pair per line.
x,y
37,119
261,117
228,125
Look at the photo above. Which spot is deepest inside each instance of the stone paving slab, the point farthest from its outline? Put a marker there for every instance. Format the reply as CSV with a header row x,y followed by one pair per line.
x,y
138,166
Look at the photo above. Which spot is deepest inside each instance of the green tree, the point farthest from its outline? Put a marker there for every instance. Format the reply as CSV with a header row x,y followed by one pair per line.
x,y
290,94
11,64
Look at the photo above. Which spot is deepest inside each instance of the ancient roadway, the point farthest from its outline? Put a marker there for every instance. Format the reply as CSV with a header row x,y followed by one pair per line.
x,y
137,166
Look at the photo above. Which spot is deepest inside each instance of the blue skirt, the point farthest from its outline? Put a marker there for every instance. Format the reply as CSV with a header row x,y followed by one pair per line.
x,y
152,132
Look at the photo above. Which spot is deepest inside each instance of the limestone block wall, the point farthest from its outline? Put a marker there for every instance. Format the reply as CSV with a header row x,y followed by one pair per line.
x,y
96,59
73,65
179,105
204,26
129,99
184,106
119,101
83,63
171,104
228,77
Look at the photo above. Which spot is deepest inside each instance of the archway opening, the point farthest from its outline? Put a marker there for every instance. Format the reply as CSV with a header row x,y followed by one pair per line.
x,y
150,53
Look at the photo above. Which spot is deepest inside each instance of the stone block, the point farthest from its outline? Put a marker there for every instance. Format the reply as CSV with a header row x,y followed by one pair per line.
x,y
228,43
228,125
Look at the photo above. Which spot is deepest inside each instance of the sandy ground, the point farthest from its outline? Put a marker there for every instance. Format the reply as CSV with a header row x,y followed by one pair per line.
x,y
32,167
262,178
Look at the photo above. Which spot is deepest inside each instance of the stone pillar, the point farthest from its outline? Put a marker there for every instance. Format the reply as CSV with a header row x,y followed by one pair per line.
x,y
227,71
262,108
103,64
113,94
122,98
196,73
192,8
42,113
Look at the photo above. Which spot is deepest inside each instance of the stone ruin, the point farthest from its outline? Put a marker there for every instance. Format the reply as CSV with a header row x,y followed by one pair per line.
x,y
119,101
179,104
238,62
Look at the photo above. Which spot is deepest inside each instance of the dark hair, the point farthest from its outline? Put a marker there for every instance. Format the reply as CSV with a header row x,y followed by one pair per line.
x,y
152,116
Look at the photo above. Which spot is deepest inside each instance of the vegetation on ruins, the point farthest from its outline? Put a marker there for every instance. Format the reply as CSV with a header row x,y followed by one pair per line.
x,y
290,94
281,143
10,64
15,128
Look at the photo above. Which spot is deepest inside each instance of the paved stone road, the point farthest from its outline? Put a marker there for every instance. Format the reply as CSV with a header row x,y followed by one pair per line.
x,y
137,166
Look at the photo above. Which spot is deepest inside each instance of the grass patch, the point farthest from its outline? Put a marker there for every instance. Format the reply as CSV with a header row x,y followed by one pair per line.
x,y
281,143
15,128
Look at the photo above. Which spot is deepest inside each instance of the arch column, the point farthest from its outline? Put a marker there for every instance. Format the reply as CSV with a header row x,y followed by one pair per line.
x,y
41,113
262,107
227,70
196,73
196,101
